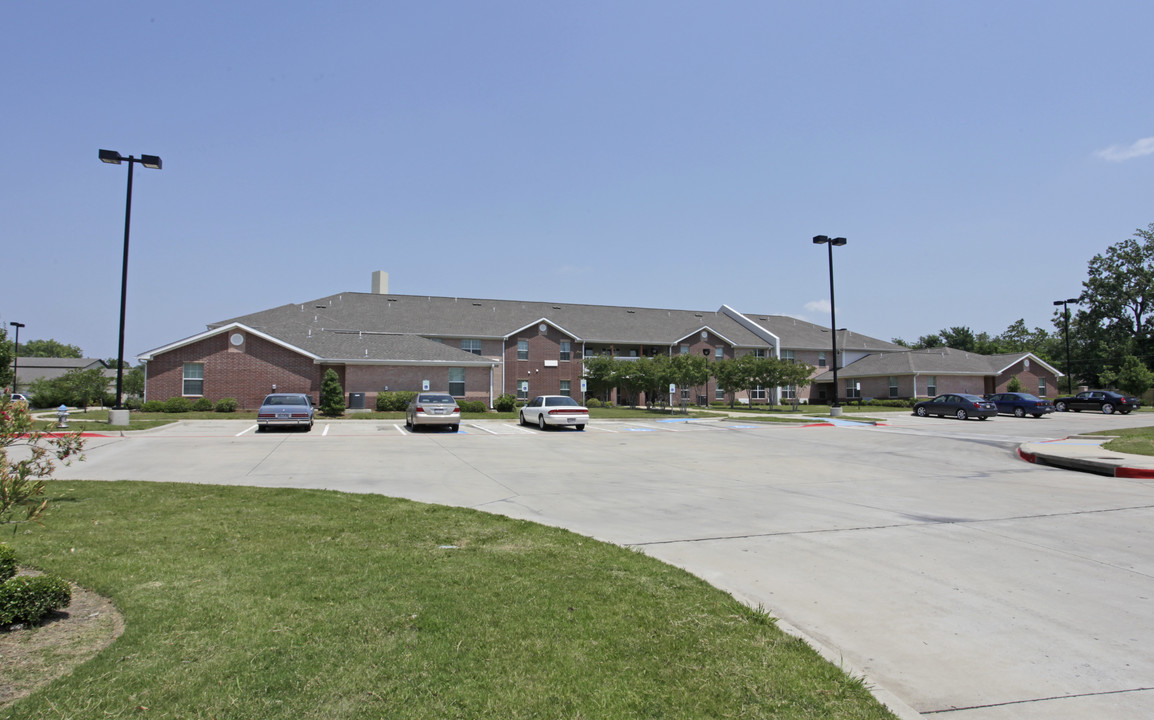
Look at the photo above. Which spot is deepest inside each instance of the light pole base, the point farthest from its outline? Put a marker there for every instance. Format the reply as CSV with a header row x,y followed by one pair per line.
x,y
118,417
835,411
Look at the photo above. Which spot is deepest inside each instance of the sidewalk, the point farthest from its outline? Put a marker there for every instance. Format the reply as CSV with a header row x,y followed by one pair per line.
x,y
1085,453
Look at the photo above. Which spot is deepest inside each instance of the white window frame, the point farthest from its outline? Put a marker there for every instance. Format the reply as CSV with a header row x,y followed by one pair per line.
x,y
522,389
1041,387
471,345
931,385
186,378
719,351
566,351
522,349
566,388
821,362
460,372
893,386
852,390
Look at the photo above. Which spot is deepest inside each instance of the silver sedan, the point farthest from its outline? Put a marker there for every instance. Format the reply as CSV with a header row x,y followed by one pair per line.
x,y
433,409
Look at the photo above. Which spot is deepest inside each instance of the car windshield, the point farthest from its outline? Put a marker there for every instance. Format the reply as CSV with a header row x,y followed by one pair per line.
x,y
971,398
1028,396
555,401
447,399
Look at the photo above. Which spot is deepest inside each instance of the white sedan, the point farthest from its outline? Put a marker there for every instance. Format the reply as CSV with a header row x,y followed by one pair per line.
x,y
546,410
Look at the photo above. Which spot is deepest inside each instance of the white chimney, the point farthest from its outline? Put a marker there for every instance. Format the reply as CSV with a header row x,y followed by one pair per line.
x,y
380,282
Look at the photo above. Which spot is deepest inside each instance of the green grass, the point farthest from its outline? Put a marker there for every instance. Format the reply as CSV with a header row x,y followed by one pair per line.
x,y
264,603
1136,441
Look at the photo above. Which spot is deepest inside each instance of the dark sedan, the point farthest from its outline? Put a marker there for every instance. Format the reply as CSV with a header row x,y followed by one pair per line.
x,y
959,405
1106,401
1021,404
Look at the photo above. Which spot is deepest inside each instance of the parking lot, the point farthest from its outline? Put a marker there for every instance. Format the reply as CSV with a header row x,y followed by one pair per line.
x,y
922,553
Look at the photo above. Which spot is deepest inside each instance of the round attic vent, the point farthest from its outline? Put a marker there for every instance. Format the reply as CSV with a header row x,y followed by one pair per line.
x,y
542,327
236,339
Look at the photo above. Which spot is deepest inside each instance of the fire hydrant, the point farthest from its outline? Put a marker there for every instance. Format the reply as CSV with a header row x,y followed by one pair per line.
x,y
62,416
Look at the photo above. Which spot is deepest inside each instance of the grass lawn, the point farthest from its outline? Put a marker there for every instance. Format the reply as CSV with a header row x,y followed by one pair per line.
x,y
263,603
1138,441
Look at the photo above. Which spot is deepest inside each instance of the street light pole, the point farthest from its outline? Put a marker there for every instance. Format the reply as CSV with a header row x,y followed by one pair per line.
x,y
15,353
1066,314
149,161
834,408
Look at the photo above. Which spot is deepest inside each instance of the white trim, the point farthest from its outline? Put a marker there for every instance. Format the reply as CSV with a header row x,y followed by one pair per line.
x,y
1036,359
538,321
697,332
151,354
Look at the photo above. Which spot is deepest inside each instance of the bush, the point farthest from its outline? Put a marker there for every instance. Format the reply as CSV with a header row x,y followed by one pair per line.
x,y
132,403
592,403
395,401
202,405
226,405
177,405
28,598
505,403
472,406
890,402
7,562
152,406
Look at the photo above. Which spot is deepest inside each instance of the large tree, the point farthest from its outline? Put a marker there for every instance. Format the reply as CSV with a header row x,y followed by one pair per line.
x,y
1116,313
6,355
49,349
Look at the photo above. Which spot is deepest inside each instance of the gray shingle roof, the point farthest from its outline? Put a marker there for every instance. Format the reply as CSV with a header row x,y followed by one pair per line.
x,y
335,316
933,361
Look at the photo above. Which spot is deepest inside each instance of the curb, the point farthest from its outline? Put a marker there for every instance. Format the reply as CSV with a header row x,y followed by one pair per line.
x,y
1109,467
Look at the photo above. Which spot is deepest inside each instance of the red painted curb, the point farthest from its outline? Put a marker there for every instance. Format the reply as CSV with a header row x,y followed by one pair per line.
x,y
1028,457
1134,473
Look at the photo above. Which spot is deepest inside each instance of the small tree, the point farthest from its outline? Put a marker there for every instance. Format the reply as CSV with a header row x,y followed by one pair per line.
x,y
1132,378
21,481
332,395
1015,385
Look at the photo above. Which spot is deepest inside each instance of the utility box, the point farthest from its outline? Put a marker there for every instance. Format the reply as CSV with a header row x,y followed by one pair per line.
x,y
356,401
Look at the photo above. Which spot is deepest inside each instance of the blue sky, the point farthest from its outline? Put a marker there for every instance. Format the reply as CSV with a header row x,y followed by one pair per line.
x,y
658,154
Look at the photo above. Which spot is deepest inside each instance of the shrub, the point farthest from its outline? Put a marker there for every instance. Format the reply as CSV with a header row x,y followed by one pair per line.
x,y
28,598
592,403
395,401
226,405
177,405
7,562
153,406
505,403
332,395
132,403
472,406
202,405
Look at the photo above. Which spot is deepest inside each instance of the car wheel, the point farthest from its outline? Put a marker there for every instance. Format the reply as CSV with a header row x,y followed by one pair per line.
x,y
260,428
962,415
1019,412
1107,409
408,423
541,421
984,417
455,428
521,421
921,412
580,427
1060,407
1124,412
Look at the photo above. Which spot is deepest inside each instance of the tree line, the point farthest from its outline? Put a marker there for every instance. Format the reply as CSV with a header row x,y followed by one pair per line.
x,y
1111,323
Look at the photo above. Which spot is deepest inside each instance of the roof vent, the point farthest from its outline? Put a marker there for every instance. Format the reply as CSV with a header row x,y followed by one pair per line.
x,y
476,304
630,311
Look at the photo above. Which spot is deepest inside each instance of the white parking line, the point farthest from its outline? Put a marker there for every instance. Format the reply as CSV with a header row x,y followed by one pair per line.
x,y
326,430
402,430
247,429
473,425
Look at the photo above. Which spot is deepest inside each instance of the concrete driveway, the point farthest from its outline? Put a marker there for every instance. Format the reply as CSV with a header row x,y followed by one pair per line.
x,y
962,582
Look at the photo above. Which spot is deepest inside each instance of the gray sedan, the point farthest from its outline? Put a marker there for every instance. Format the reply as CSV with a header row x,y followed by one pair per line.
x,y
287,409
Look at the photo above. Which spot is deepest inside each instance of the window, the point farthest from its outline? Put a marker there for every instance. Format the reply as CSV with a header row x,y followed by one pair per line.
x,y
718,393
719,352
565,388
566,350
759,352
758,393
193,379
589,351
821,359
852,389
457,382
893,386
787,355
1041,387
789,392
684,349
471,346
522,389
931,385
522,349
685,393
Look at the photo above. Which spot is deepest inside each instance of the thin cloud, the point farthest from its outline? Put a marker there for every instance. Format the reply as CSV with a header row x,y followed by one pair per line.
x,y
815,306
1120,153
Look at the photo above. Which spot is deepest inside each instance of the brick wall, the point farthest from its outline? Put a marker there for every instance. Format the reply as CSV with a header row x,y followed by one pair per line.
x,y
246,372
543,379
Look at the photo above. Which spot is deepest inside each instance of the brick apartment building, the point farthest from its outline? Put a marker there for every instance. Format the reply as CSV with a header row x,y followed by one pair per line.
x,y
476,349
